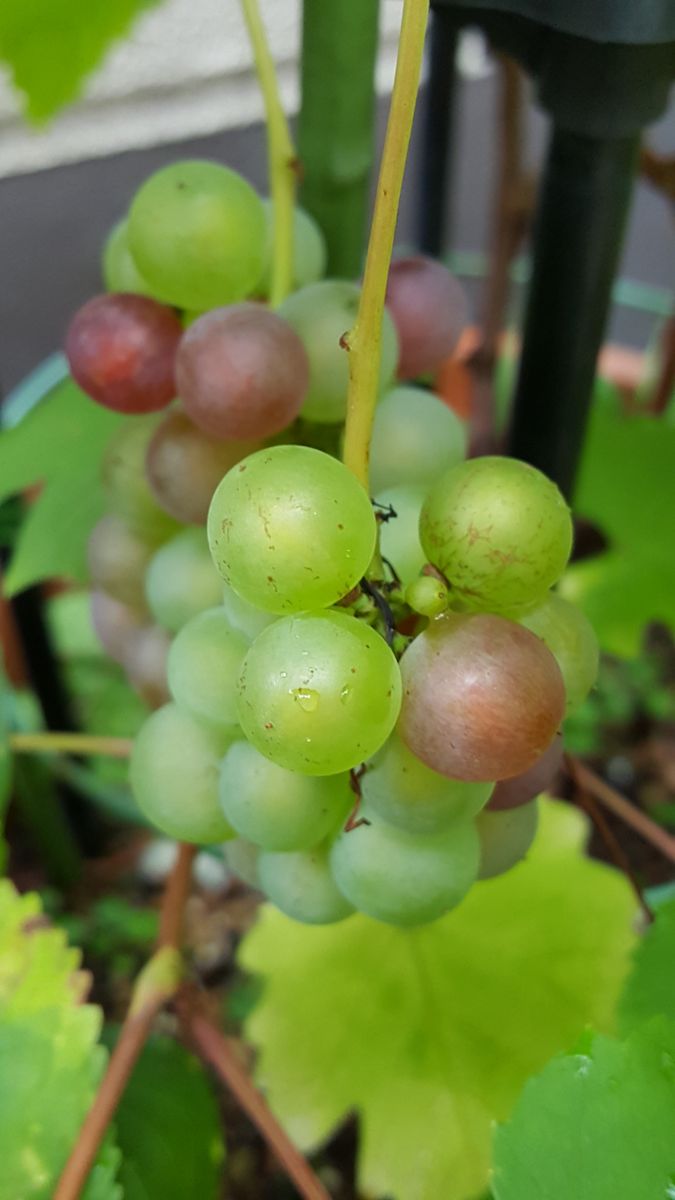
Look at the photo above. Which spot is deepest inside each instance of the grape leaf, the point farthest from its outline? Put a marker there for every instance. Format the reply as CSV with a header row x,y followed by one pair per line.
x,y
60,444
626,487
50,1062
597,1125
50,46
650,987
429,1034
168,1128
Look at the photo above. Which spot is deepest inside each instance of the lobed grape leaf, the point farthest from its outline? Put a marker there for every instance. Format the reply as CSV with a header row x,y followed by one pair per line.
x,y
650,987
168,1128
60,444
429,1034
595,1125
627,487
51,46
50,1062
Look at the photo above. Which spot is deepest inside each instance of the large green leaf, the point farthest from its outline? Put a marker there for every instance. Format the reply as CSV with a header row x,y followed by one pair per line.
x,y
597,1125
50,46
626,487
650,987
430,1034
168,1128
50,1062
59,444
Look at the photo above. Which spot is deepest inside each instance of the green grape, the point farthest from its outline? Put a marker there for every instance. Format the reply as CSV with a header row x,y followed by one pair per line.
x,y
300,883
309,250
499,530
399,536
197,234
125,484
404,878
321,314
174,776
505,837
120,273
245,617
571,639
405,792
203,669
427,595
242,858
279,809
415,438
319,692
290,528
180,580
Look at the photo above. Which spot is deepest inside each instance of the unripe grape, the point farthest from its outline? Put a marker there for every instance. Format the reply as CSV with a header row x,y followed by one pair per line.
x,y
319,692
427,595
174,776
243,616
117,558
404,878
242,372
415,438
499,531
203,669
197,234
115,624
401,789
505,838
291,528
429,310
181,580
120,273
511,793
571,639
145,662
125,484
300,883
121,350
309,250
399,535
321,314
482,697
242,858
184,466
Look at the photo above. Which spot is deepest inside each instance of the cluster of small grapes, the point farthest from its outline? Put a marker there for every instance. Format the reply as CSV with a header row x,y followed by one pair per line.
x,y
336,777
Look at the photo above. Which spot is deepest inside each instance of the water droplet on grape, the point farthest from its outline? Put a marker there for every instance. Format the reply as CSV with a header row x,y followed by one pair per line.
x,y
345,694
306,698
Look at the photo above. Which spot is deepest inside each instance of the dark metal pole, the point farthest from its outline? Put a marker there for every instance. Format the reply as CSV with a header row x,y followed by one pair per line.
x,y
583,205
434,208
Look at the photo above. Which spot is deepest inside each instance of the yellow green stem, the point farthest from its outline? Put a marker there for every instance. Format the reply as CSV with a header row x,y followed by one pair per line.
x,y
281,156
69,743
365,338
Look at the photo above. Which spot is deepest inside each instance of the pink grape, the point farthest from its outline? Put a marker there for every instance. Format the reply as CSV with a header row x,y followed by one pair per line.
x,y
121,349
429,310
145,663
511,793
115,624
184,466
481,701
117,557
242,372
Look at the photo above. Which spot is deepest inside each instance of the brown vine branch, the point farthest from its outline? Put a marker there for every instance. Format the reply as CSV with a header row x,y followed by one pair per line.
x,y
69,743
614,847
156,985
221,1053
659,170
624,810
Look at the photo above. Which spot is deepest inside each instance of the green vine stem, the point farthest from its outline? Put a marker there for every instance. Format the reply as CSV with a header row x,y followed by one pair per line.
x,y
281,155
336,127
69,743
364,339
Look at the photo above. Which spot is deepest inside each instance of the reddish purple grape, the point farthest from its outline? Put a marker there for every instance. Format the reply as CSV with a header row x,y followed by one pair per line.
x,y
429,310
242,372
184,466
511,793
121,349
115,624
145,664
481,700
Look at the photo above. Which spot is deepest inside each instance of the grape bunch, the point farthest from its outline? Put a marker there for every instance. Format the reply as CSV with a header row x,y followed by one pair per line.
x,y
360,699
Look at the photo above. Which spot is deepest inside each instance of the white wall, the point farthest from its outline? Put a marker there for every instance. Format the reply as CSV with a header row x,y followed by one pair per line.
x,y
185,70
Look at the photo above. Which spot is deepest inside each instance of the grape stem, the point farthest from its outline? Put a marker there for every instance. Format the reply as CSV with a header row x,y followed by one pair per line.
x,y
69,743
622,808
354,820
281,157
364,340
